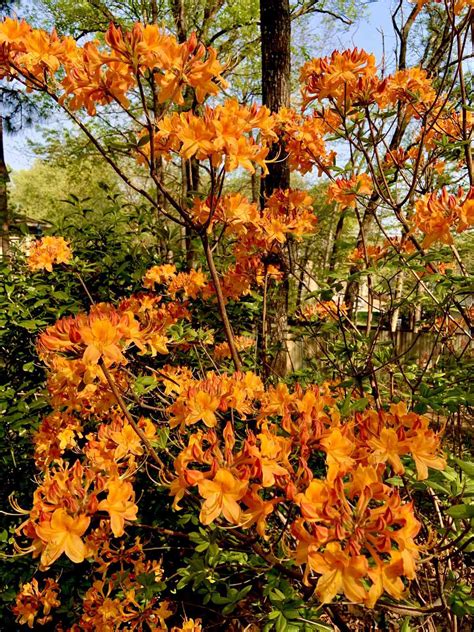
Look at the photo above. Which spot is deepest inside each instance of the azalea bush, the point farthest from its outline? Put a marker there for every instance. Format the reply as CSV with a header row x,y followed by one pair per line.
x,y
181,483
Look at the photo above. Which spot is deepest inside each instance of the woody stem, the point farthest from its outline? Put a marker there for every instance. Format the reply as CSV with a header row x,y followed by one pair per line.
x,y
113,387
118,397
221,303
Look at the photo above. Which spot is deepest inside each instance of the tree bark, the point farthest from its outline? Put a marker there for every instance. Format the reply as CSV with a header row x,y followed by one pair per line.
x,y
4,215
275,28
190,188
398,297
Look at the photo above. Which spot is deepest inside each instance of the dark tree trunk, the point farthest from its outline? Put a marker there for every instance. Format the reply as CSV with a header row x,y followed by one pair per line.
x,y
275,27
4,217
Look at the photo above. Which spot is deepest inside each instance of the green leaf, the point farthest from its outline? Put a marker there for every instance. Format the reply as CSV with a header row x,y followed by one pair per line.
x,y
466,466
461,512
406,625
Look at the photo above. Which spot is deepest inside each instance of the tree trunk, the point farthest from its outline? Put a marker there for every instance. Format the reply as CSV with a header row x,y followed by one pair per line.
x,y
4,216
275,28
335,246
418,313
352,288
398,297
190,181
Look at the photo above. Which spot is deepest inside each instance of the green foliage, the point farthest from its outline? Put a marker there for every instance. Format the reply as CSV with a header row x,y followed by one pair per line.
x,y
28,303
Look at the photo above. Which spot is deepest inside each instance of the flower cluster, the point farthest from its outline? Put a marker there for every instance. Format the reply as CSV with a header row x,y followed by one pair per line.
x,y
340,76
47,252
347,191
224,135
31,601
114,600
106,332
256,234
242,343
349,78
323,310
304,139
437,214
186,284
372,252
93,74
252,454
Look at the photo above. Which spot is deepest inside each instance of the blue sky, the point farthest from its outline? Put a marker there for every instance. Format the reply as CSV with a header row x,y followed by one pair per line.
x,y
367,34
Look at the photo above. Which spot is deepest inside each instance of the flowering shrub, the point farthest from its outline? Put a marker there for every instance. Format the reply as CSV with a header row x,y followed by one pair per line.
x,y
303,492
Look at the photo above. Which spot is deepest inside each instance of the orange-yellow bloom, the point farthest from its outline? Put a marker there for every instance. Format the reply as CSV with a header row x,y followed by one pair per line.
x,y
386,577
202,407
340,572
387,447
120,505
31,600
48,251
339,449
62,534
102,337
221,495
345,191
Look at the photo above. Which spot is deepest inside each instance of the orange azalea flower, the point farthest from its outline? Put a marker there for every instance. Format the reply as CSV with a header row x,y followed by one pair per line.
x,y
304,140
102,337
221,495
190,625
340,572
62,534
127,440
42,52
437,214
386,577
423,447
345,191
202,407
287,212
317,502
274,451
31,600
159,274
374,253
12,30
242,343
62,336
387,448
119,504
338,453
48,251
411,86
466,213
190,283
323,310
223,134
277,400
93,75
257,511
308,544
336,76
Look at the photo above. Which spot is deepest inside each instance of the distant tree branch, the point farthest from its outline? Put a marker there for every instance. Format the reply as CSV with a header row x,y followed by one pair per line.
x,y
312,7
